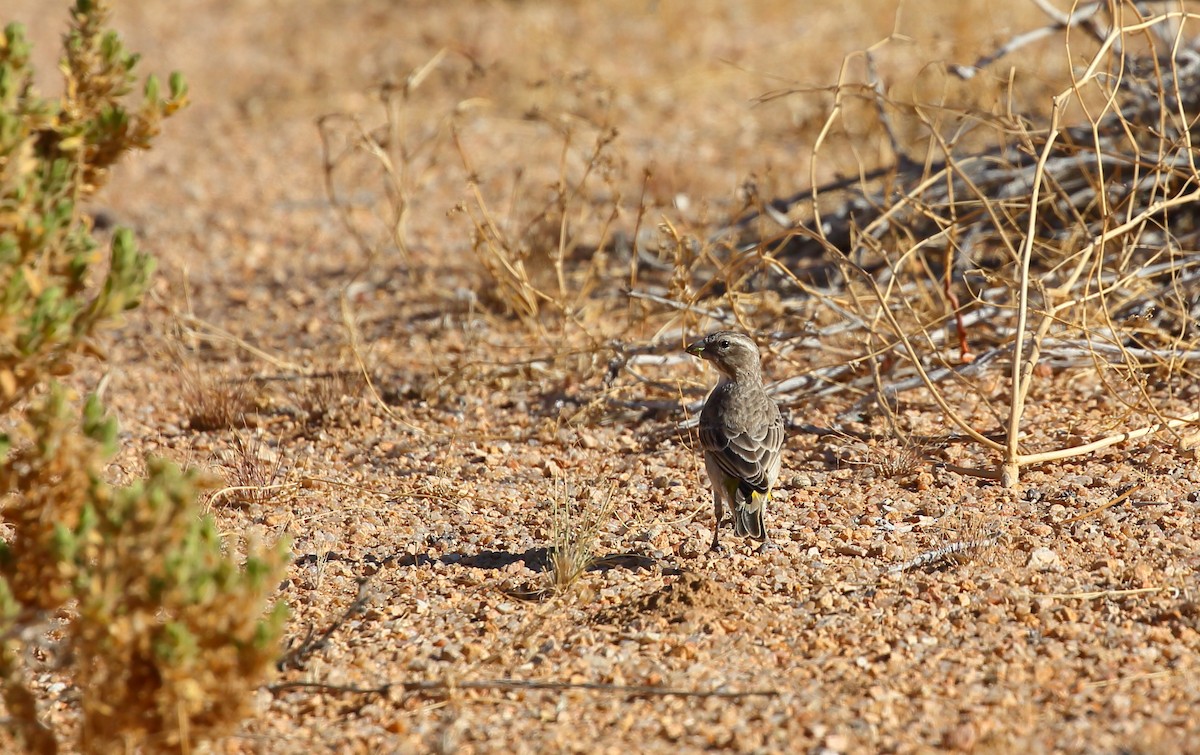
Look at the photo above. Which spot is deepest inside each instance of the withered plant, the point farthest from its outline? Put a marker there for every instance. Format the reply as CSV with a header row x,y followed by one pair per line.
x,y
212,399
255,473
1007,247
577,519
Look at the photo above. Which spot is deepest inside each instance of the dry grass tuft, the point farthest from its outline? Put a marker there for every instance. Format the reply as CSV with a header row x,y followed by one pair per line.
x,y
320,396
531,254
256,473
896,459
212,400
576,526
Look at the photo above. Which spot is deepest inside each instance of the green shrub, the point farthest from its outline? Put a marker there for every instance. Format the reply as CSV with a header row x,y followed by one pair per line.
x,y
167,633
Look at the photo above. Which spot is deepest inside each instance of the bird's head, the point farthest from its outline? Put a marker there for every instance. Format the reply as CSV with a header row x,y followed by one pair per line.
x,y
734,354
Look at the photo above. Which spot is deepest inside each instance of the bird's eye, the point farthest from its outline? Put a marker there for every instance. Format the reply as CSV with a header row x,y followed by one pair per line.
x,y
724,344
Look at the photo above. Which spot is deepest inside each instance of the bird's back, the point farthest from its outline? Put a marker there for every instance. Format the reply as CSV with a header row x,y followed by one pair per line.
x,y
742,427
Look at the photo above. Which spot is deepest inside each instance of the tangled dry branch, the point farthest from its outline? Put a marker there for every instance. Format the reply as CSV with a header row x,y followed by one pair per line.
x,y
1007,246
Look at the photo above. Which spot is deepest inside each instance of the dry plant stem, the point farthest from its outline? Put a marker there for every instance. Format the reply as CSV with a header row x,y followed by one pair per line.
x,y
635,245
518,684
987,474
1129,679
938,398
396,182
687,307
356,349
214,333
881,112
1129,360
826,128
229,490
960,549
1102,507
1093,595
1179,42
839,90
395,171
297,656
1086,448
1022,368
1061,21
1108,235
1095,351
329,167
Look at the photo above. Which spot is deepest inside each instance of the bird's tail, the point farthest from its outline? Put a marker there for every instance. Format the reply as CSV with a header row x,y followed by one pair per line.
x,y
749,505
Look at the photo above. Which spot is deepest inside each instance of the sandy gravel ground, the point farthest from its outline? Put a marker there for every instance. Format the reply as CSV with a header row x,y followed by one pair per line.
x,y
432,505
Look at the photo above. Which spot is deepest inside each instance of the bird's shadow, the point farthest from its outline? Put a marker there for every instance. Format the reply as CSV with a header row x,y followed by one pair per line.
x,y
535,559
538,560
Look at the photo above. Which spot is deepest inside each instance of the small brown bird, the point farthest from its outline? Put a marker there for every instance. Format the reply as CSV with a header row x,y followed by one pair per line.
x,y
741,432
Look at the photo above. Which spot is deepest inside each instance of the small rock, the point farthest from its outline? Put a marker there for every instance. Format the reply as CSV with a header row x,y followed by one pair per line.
x,y
961,738
801,480
1042,559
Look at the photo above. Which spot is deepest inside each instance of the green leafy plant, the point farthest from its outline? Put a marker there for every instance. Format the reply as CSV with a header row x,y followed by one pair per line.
x,y
167,632
169,635
55,154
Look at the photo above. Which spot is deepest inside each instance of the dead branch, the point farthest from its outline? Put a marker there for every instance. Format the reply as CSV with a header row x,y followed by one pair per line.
x,y
296,656
517,684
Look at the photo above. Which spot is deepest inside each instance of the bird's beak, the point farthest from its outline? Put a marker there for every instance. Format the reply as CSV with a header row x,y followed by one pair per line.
x,y
696,349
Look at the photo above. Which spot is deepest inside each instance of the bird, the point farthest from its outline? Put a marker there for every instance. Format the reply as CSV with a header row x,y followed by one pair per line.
x,y
741,434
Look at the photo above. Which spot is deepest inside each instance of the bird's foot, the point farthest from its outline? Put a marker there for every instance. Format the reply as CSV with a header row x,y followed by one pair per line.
x,y
768,546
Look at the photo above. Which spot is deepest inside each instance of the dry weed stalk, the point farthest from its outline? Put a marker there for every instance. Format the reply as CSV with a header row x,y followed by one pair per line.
x,y
442,686
192,330
971,541
1062,246
526,255
301,649
400,158
395,157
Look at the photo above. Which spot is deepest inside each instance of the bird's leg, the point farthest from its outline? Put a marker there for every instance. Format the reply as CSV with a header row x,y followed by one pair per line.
x,y
716,546
717,514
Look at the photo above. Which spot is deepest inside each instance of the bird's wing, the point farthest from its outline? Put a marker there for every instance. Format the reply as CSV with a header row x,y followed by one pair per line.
x,y
748,451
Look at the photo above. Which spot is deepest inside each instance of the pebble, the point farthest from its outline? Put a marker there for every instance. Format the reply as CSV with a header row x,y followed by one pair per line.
x,y
1043,559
